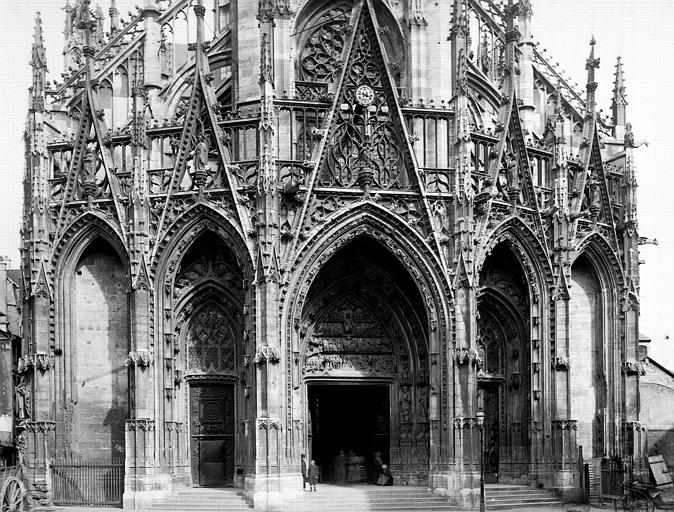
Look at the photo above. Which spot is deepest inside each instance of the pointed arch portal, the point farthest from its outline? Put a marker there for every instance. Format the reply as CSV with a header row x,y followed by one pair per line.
x,y
364,363
504,382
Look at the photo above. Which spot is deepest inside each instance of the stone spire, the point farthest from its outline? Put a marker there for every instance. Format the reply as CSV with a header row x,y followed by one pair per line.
x,y
114,18
525,84
458,35
86,22
591,65
152,65
39,54
619,102
512,37
38,62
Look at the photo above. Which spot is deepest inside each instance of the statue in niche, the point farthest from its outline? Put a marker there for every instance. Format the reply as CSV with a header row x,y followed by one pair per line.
x,y
422,402
405,403
347,321
23,410
201,154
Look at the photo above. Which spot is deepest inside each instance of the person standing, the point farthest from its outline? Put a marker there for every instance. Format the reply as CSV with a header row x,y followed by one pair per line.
x,y
340,468
303,466
313,475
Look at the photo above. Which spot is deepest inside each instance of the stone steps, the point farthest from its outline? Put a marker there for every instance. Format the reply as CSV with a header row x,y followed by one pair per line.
x,y
357,498
202,500
364,498
503,497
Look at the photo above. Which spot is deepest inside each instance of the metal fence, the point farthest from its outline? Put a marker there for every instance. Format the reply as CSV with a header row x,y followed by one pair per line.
x,y
88,482
612,477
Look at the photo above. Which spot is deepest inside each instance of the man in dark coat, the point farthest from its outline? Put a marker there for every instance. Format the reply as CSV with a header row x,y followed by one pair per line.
x,y
304,471
313,475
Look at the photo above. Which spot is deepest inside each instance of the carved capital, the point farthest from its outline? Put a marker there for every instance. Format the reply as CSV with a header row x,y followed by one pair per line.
x,y
465,356
38,361
269,424
140,424
266,354
564,424
39,426
561,364
633,368
140,358
466,423
633,426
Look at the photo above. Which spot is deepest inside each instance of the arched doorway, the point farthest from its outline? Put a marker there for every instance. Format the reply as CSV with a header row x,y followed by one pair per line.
x,y
504,382
208,295
364,362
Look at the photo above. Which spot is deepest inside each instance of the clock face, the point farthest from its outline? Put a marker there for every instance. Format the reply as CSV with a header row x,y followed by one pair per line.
x,y
364,95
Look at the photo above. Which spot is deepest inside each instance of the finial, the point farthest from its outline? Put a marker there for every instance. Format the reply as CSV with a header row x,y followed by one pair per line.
x,y
619,102
459,20
591,65
39,57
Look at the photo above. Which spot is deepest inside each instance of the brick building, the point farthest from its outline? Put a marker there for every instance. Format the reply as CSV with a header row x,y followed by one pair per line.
x,y
271,228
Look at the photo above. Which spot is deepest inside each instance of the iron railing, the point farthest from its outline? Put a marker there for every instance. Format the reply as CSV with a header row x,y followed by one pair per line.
x,y
88,482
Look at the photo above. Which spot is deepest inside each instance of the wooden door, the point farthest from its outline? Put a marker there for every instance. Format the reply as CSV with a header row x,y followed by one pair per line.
x,y
212,413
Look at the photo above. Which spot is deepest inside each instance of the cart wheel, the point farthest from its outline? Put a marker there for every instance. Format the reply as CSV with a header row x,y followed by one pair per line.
x,y
12,495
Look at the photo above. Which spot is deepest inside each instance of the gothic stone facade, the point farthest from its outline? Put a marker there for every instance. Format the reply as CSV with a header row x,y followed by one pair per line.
x,y
254,228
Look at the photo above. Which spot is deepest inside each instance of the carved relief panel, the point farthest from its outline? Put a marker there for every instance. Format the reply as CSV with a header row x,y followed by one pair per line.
x,y
349,340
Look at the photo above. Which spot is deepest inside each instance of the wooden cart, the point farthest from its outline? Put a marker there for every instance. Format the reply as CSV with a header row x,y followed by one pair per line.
x,y
12,489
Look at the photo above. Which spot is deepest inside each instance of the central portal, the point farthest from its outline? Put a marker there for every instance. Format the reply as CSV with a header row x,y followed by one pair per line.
x,y
353,419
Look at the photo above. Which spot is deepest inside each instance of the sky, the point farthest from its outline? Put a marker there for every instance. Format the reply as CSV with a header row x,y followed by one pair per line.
x,y
640,33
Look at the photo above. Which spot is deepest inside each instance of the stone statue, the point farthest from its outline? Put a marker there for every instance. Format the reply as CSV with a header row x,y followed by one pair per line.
x,y
201,154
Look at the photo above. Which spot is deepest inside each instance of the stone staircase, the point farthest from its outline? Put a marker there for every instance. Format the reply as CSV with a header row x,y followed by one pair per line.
x,y
503,497
365,498
354,498
202,499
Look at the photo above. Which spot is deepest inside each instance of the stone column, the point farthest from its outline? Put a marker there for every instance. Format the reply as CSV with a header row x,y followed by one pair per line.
x,y
36,367
139,463
140,431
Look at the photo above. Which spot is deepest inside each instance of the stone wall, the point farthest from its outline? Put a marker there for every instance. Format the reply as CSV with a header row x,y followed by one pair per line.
x,y
101,347
583,331
657,397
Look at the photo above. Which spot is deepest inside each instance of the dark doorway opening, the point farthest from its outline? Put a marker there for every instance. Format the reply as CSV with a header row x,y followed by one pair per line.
x,y
354,418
